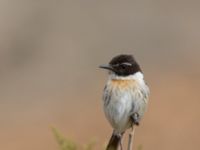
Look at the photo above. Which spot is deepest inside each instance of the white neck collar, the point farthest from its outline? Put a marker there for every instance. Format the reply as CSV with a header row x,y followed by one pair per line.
x,y
135,76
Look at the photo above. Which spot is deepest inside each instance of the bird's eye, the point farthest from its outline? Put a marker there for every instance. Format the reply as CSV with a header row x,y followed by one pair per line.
x,y
123,66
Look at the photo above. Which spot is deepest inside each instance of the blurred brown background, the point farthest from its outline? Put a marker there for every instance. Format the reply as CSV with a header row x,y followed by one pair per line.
x,y
50,51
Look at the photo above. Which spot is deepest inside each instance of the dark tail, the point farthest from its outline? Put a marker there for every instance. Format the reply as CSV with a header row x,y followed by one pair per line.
x,y
114,142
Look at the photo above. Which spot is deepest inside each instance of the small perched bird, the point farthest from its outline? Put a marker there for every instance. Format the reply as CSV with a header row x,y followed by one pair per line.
x,y
125,96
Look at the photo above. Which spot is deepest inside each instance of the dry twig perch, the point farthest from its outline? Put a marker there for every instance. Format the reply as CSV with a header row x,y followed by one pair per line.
x,y
130,139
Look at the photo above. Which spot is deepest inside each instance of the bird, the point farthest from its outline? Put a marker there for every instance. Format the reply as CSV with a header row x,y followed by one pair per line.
x,y
125,96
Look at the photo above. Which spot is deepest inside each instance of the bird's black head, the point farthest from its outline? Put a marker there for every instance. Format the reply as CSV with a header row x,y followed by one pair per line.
x,y
123,65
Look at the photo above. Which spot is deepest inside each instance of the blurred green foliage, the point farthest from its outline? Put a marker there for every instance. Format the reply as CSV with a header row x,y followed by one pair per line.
x,y
66,144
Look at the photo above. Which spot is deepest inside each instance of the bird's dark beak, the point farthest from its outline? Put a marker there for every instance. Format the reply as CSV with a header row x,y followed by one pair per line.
x,y
108,67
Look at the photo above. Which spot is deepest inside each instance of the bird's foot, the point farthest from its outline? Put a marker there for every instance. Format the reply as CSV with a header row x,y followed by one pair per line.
x,y
135,118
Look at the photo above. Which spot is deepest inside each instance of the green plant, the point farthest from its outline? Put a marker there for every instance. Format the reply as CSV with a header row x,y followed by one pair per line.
x,y
66,144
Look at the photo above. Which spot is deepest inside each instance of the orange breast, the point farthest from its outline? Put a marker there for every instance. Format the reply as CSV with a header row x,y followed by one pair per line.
x,y
123,84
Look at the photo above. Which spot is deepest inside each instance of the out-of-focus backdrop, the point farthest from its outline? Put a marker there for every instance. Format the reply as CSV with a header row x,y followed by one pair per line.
x,y
50,51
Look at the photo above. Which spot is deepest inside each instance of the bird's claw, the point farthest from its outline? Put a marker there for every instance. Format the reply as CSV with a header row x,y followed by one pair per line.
x,y
135,118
